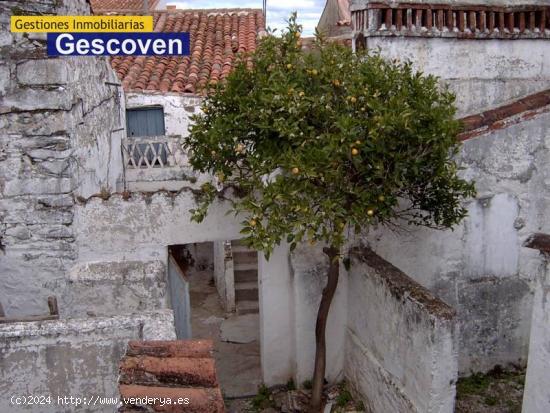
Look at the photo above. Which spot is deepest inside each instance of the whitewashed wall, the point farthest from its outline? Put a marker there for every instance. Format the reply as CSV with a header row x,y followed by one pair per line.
x,y
401,348
480,268
536,397
78,357
482,73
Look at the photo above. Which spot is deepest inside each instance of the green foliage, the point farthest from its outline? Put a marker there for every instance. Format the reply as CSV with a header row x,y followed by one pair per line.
x,y
290,385
343,398
263,399
477,383
308,144
307,384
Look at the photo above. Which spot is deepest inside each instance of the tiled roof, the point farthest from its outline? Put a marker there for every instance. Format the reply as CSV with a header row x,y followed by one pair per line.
x,y
171,369
217,36
121,5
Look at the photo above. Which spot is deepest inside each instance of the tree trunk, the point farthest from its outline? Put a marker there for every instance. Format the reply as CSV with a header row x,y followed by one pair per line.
x,y
320,327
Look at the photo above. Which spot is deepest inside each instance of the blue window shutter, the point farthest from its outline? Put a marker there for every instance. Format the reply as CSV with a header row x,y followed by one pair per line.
x,y
145,122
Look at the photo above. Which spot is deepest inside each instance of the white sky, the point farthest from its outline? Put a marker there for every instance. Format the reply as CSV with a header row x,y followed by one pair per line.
x,y
278,11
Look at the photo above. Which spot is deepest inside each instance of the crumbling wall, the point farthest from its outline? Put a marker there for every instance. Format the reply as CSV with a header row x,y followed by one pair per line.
x,y
480,268
78,358
61,123
401,353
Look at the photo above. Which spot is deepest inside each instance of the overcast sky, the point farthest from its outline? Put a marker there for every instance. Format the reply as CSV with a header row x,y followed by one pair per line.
x,y
278,11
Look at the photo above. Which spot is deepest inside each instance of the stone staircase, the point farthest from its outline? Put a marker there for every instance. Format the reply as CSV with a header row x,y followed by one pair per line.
x,y
245,265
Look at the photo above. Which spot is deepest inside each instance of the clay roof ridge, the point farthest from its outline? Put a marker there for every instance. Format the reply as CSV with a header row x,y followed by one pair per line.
x,y
510,113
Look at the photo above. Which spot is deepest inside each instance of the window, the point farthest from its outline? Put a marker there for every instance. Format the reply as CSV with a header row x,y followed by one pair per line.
x,y
143,122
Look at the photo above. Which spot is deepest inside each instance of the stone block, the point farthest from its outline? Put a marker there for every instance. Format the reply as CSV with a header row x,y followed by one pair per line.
x,y
43,72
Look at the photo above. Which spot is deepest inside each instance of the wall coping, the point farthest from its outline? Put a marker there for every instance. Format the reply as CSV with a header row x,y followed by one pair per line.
x,y
503,116
402,286
433,19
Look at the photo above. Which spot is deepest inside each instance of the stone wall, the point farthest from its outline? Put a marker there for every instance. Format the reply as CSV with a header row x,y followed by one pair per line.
x,y
61,124
400,350
78,357
480,268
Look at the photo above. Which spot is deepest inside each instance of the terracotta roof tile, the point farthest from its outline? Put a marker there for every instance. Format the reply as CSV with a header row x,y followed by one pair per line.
x,y
175,369
121,5
217,37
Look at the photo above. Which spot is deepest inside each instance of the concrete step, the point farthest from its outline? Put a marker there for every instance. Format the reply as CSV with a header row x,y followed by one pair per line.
x,y
248,307
245,256
236,248
246,291
245,275
243,266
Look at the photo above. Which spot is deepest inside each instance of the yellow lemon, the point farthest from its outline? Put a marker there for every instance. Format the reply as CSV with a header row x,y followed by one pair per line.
x,y
289,66
314,72
355,151
370,212
295,171
252,222
358,142
381,198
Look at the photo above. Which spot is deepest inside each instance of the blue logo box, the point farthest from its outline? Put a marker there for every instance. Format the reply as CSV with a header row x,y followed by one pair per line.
x,y
118,44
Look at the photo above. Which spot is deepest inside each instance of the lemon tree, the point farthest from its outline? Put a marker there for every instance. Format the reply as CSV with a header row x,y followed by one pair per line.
x,y
309,145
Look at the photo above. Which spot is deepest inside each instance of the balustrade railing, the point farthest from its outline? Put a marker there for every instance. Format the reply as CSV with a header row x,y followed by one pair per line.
x,y
452,20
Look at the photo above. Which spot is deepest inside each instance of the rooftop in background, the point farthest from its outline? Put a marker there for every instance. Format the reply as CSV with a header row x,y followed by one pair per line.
x,y
217,36
336,19
104,6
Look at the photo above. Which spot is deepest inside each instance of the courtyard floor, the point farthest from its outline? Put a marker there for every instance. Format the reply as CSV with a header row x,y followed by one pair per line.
x,y
236,338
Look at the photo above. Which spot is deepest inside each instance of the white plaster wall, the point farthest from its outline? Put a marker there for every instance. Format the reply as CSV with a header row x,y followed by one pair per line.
x,y
536,397
78,357
309,268
277,313
480,268
401,353
141,227
482,73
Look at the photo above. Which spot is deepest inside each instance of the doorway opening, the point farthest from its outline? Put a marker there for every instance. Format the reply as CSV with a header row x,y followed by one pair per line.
x,y
214,295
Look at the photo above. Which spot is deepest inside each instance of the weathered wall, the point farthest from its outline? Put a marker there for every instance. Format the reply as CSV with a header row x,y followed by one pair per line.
x,y
536,397
482,73
401,353
142,226
480,268
114,287
78,358
60,134
224,274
